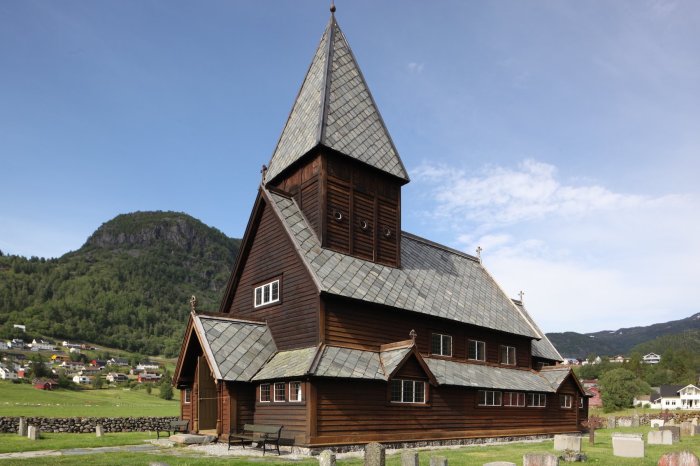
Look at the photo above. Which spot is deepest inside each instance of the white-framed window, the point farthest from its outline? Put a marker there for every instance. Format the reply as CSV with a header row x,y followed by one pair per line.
x,y
267,293
513,399
265,393
489,398
580,403
508,355
279,392
536,400
187,396
294,391
565,401
476,350
441,345
407,391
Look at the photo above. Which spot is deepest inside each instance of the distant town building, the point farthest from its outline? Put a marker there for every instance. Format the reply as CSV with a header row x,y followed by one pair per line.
x,y
651,358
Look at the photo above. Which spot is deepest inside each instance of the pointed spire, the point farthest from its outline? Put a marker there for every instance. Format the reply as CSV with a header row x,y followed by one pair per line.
x,y
334,108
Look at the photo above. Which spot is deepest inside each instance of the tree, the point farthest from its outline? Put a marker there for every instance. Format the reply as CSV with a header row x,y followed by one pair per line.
x,y
619,387
38,368
97,382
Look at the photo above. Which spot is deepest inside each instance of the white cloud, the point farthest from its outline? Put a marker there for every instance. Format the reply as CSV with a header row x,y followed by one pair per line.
x,y
587,257
416,68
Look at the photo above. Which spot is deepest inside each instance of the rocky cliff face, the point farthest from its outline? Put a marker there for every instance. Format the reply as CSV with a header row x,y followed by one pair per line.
x,y
140,230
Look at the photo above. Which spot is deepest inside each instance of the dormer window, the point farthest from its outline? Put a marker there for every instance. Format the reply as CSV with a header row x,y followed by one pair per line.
x,y
508,355
441,345
267,294
407,391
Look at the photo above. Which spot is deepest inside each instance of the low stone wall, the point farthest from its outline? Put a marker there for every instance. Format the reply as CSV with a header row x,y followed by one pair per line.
x,y
645,419
87,424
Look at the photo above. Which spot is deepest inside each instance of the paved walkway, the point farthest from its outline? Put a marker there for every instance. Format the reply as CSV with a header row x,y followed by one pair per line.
x,y
81,451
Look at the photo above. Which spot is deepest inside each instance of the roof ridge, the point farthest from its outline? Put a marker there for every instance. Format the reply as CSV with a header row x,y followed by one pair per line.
x,y
436,245
232,319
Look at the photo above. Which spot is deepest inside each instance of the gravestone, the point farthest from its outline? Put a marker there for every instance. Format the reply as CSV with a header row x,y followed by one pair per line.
x,y
438,461
671,422
628,445
635,421
540,459
22,430
409,458
326,458
675,430
99,430
687,429
567,442
375,454
656,423
694,421
660,437
696,430
33,433
679,458
500,463
611,422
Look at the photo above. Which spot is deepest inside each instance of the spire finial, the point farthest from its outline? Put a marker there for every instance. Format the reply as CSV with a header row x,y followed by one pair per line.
x,y
332,6
193,304
521,294
478,252
413,335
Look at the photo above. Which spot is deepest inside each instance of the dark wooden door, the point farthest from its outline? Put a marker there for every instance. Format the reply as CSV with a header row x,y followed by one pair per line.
x,y
207,397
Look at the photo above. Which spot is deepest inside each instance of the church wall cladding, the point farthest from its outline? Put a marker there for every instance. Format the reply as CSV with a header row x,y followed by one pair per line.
x,y
348,412
271,257
368,326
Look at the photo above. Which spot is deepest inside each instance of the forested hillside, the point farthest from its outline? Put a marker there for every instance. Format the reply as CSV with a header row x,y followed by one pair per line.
x,y
621,341
127,287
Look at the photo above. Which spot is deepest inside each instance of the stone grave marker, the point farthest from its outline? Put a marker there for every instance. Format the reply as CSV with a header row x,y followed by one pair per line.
x,y
635,421
540,459
567,442
611,422
660,437
99,430
675,430
33,433
22,430
694,421
409,458
375,454
438,461
687,429
628,445
326,458
679,458
656,423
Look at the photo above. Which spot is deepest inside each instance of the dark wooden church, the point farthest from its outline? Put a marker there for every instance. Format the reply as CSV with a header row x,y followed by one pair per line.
x,y
345,329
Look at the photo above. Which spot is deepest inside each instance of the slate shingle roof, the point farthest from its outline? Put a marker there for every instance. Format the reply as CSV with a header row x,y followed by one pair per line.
x,y
479,376
392,358
236,349
294,363
540,348
555,376
432,280
335,108
349,363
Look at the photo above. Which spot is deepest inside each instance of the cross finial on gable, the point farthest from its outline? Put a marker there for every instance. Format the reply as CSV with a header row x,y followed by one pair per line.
x,y
478,252
263,170
413,335
521,294
193,304
332,6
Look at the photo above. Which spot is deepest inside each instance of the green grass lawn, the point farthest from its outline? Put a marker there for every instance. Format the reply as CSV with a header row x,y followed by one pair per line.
x,y
598,454
25,400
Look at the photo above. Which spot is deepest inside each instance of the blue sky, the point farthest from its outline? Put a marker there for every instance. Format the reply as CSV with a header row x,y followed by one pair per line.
x,y
561,136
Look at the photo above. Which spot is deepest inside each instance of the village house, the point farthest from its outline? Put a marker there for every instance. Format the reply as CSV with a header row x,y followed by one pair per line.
x,y
149,377
117,377
676,397
17,343
44,384
42,345
82,379
651,358
118,362
146,366
345,329
7,374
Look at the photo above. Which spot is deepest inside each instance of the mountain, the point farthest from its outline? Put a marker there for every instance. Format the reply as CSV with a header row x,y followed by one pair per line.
x,y
127,287
624,340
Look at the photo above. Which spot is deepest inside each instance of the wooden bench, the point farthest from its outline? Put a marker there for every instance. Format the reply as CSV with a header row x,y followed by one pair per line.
x,y
175,426
259,433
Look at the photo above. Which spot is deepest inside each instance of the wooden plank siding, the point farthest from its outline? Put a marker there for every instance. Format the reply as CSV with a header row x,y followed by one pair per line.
x,y
303,184
294,319
292,415
359,411
361,203
360,325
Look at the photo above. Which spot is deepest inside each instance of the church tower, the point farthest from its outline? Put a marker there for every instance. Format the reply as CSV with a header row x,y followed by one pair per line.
x,y
336,158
